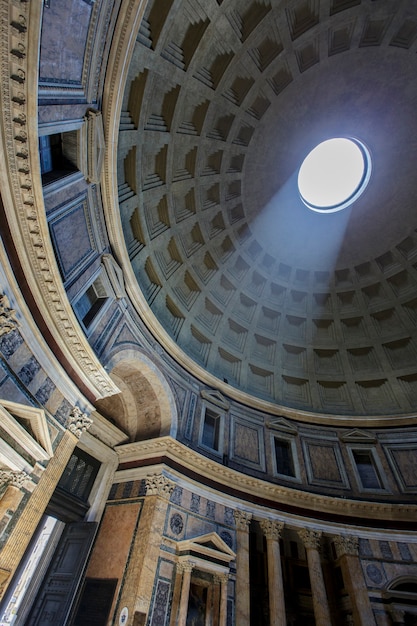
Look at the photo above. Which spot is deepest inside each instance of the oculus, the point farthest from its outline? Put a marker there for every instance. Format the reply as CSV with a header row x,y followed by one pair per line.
x,y
334,174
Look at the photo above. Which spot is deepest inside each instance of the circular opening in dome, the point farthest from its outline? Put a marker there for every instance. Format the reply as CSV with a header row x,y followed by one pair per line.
x,y
334,174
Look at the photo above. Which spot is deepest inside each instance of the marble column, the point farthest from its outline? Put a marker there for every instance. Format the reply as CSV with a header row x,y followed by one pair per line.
x,y
176,595
242,590
348,554
311,540
186,567
224,582
272,531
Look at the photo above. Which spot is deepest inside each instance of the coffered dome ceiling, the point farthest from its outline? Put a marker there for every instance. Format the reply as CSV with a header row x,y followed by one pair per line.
x,y
223,101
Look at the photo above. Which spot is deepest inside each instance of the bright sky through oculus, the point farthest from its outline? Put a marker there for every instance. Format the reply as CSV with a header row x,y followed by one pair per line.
x,y
334,174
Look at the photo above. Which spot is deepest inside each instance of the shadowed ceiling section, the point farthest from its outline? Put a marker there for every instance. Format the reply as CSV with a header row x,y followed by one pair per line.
x,y
143,409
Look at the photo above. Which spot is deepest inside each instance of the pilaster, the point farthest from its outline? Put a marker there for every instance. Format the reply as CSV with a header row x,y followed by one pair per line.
x,y
242,598
347,549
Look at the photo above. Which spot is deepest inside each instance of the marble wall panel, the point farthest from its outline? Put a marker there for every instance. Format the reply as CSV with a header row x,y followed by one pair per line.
x,y
247,444
73,239
324,463
64,37
403,460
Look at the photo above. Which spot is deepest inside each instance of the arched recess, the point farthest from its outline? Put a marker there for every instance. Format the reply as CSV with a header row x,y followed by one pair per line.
x,y
145,408
400,597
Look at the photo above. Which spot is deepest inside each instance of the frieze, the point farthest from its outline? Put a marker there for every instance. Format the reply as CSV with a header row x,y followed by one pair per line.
x,y
261,488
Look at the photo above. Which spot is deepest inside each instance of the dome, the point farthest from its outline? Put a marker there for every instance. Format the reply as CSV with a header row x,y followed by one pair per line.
x,y
261,296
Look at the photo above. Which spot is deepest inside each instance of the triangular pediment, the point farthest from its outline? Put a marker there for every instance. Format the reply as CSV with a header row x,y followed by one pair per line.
x,y
206,546
27,425
281,424
358,436
216,398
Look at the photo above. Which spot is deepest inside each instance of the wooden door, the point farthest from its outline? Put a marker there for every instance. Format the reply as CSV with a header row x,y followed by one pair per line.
x,y
58,591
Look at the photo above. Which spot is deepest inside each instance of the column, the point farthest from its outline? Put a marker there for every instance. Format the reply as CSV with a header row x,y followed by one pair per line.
x,y
216,599
224,582
353,578
186,567
272,531
311,540
211,609
140,575
242,597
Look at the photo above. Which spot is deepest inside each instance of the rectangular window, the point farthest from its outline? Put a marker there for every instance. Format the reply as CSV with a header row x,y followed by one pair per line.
x,y
91,302
366,469
211,430
283,456
57,155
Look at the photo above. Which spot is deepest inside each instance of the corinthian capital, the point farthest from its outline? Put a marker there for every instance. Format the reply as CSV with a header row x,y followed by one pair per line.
x,y
272,529
242,519
185,566
10,477
346,544
159,485
310,538
8,321
78,422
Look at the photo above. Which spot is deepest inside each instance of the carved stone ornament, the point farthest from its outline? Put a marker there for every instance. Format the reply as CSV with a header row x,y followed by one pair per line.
x,y
242,519
346,544
10,477
159,485
272,529
221,579
310,538
185,566
7,316
78,422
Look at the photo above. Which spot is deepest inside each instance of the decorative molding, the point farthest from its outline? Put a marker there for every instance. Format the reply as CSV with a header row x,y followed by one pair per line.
x,y
21,185
255,488
35,439
115,275
8,322
159,485
92,145
216,398
78,422
282,425
357,436
210,546
272,529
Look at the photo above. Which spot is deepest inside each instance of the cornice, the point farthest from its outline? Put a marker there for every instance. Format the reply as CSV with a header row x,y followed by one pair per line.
x,y
23,196
249,490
